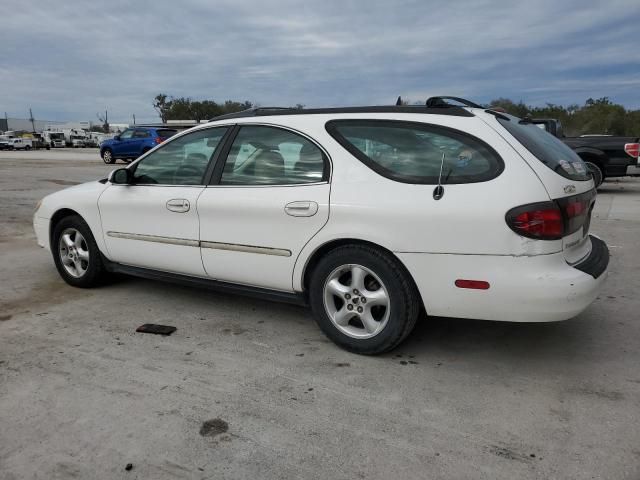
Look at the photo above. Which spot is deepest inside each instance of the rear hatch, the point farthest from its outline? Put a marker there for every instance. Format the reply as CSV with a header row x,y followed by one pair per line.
x,y
564,176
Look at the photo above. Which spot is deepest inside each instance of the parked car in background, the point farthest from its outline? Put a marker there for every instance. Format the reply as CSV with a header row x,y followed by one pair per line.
x,y
133,142
606,156
368,214
5,142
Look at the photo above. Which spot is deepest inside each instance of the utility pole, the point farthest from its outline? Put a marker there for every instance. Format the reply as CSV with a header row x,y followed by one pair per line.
x,y
33,123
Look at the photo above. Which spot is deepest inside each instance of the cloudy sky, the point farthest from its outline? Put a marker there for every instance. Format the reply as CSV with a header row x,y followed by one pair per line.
x,y
68,60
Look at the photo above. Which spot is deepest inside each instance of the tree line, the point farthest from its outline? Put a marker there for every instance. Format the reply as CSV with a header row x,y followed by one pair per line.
x,y
599,116
596,116
184,108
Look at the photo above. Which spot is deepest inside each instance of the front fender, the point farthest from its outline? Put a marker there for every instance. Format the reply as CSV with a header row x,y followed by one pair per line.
x,y
82,199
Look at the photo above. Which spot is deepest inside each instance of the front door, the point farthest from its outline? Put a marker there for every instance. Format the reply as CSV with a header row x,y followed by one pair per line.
x,y
122,146
268,198
153,223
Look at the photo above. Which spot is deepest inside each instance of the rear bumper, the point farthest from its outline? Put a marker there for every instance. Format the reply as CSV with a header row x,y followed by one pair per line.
x,y
542,288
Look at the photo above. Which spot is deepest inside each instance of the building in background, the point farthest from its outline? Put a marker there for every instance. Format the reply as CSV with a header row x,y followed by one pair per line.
x,y
24,124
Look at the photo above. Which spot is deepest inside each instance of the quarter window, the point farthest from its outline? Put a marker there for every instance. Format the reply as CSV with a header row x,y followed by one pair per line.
x,y
412,152
272,156
546,148
182,161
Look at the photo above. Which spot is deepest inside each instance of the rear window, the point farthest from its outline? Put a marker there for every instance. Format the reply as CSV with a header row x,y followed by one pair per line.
x,y
412,152
164,134
546,148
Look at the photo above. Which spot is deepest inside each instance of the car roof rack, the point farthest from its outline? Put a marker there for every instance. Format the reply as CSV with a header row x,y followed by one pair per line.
x,y
268,111
441,102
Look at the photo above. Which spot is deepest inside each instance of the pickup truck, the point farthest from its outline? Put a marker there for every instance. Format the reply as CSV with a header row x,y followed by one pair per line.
x,y
606,156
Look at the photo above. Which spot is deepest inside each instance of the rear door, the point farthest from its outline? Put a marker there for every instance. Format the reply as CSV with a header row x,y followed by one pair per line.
x,y
269,196
154,223
139,140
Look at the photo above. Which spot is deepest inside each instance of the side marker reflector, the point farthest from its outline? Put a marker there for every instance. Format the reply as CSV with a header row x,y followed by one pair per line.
x,y
473,284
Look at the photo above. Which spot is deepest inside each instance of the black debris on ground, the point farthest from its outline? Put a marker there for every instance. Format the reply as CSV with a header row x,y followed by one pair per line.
x,y
214,427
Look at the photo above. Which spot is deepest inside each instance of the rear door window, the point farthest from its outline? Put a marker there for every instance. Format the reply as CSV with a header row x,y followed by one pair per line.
x,y
546,148
141,134
262,155
413,152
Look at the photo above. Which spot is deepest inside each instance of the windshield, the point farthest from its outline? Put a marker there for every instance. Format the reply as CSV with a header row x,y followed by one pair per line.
x,y
546,148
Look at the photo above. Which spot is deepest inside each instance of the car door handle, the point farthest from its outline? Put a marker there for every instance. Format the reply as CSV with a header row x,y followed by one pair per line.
x,y
301,209
178,205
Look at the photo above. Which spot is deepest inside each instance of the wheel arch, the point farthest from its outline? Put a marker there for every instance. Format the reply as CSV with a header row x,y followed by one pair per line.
x,y
315,257
59,215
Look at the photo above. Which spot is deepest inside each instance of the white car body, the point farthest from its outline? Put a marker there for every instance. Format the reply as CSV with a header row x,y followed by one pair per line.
x,y
244,235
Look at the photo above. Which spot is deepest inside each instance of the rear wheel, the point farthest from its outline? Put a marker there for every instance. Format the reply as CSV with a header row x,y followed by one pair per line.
x,y
76,253
28,147
596,172
363,299
107,156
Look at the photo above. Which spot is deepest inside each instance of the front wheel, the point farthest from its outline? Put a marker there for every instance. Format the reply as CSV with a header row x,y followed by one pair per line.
x,y
76,253
363,299
107,156
596,172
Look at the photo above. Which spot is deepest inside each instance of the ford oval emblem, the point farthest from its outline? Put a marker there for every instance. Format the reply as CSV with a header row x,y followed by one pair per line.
x,y
569,189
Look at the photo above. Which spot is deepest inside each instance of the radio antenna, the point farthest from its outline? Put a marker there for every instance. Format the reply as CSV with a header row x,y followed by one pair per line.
x,y
438,192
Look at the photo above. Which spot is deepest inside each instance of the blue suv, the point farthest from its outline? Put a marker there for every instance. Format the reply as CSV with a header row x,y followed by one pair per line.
x,y
133,142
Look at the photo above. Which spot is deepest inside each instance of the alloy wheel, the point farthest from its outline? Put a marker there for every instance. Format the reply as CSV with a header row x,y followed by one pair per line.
x,y
74,252
356,301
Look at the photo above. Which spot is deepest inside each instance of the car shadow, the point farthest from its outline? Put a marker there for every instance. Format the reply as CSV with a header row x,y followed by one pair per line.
x,y
434,339
529,345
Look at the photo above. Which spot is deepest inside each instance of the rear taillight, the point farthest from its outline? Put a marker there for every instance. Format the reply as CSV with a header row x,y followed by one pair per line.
x,y
158,140
552,220
632,149
542,221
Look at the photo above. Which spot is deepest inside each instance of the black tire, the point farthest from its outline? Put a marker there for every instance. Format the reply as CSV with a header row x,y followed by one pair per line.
x,y
95,272
403,298
27,147
596,173
107,156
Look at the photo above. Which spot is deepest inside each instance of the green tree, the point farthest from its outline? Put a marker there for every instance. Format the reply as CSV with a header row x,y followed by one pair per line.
x,y
185,108
161,105
596,116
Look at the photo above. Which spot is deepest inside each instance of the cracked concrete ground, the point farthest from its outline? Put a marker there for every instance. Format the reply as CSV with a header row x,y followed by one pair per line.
x,y
251,389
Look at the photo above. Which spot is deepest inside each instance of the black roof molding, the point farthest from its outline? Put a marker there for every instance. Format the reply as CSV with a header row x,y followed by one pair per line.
x,y
269,111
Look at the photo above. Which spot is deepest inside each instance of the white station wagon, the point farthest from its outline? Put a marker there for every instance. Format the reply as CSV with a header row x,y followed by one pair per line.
x,y
371,215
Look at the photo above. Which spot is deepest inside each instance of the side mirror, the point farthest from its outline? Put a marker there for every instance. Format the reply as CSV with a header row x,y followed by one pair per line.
x,y
121,176
117,138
